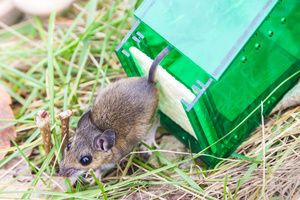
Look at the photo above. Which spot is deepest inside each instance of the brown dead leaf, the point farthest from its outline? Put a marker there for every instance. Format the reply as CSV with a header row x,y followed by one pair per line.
x,y
5,113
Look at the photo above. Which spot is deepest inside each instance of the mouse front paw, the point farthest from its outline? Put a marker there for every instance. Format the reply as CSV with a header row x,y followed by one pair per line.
x,y
145,152
93,180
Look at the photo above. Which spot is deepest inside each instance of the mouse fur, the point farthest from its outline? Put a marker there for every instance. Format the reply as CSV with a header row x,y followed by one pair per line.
x,y
120,117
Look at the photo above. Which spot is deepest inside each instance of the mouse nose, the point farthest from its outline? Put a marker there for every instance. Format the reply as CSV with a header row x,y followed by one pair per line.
x,y
66,171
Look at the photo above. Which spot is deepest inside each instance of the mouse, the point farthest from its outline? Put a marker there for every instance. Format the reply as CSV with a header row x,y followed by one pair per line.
x,y
120,117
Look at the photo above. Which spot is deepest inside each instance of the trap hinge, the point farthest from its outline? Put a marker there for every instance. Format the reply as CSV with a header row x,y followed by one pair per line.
x,y
199,88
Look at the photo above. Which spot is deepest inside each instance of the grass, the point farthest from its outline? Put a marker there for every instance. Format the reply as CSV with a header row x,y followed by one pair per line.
x,y
57,64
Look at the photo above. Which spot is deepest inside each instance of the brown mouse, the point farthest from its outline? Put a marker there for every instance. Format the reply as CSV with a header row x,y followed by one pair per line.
x,y
120,118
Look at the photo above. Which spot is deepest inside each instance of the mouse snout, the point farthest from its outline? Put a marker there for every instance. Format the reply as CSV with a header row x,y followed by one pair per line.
x,y
67,172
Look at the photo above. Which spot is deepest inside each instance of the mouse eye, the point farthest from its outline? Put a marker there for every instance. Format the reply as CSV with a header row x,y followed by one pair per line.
x,y
68,146
86,160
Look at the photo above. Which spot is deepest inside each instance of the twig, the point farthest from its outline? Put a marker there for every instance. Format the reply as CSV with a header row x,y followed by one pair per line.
x,y
263,190
65,118
42,121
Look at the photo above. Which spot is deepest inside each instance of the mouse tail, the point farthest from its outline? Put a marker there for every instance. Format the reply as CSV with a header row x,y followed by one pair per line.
x,y
156,62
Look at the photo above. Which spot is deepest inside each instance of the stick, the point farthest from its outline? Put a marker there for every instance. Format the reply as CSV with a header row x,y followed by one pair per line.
x,y
42,121
289,100
65,118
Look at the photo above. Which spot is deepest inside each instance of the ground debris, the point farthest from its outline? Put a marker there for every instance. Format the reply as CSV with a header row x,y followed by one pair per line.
x,y
17,179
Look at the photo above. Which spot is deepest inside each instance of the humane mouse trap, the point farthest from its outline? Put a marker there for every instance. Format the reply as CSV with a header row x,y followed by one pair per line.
x,y
229,58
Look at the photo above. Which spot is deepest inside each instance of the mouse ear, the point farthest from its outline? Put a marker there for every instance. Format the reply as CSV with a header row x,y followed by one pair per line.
x,y
105,141
84,119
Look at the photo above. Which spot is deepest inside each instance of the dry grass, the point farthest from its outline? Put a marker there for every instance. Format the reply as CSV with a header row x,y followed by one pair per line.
x,y
277,146
274,172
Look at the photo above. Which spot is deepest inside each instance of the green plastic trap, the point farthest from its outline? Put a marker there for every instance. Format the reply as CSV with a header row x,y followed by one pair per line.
x,y
232,56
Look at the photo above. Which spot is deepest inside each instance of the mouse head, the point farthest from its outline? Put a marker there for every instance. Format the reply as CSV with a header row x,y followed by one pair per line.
x,y
90,148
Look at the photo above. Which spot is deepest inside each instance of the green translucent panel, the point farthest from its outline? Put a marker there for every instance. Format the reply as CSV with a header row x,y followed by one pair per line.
x,y
278,35
283,27
246,79
210,33
261,72
181,67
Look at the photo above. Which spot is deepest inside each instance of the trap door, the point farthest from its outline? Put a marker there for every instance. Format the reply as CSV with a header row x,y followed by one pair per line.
x,y
210,33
